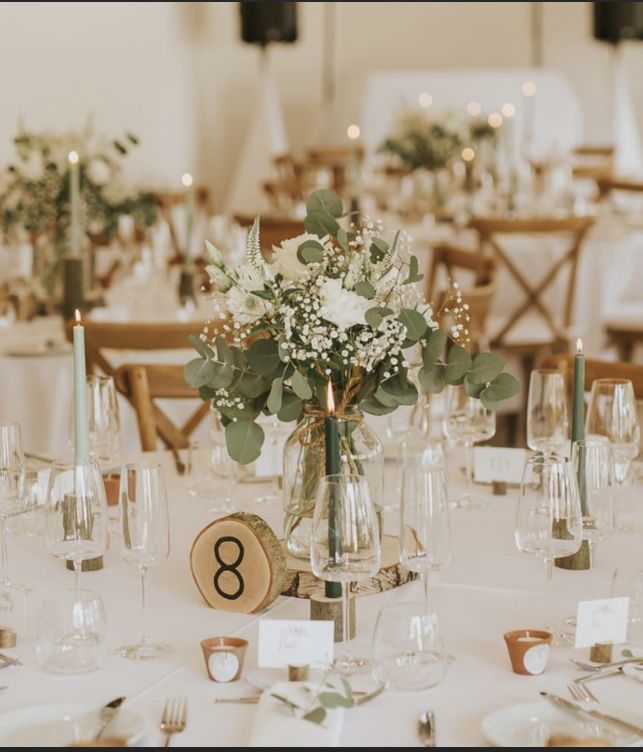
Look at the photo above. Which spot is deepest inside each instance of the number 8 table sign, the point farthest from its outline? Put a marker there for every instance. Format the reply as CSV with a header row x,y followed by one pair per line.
x,y
238,564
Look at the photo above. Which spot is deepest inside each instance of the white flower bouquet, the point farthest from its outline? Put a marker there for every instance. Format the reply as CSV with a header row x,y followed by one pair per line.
x,y
338,304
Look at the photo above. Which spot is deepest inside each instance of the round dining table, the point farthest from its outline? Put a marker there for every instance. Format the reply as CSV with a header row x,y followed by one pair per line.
x,y
489,588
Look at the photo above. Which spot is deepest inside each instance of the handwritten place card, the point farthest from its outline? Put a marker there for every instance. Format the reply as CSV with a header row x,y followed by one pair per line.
x,y
498,463
284,642
603,620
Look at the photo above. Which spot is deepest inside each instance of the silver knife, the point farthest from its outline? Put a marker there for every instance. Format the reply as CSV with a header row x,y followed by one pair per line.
x,y
571,707
107,713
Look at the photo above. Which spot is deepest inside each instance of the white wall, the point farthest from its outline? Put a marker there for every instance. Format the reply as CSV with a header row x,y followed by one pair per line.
x,y
176,74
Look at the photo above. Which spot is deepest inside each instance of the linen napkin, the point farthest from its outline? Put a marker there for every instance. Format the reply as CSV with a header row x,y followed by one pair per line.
x,y
275,725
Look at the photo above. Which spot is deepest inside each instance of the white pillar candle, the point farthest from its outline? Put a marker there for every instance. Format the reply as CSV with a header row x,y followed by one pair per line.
x,y
74,203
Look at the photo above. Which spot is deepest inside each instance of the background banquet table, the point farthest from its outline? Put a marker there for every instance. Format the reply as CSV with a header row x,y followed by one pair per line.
x,y
488,589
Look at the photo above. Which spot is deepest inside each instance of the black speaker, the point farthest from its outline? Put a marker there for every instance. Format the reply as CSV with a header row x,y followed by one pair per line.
x,y
266,22
615,21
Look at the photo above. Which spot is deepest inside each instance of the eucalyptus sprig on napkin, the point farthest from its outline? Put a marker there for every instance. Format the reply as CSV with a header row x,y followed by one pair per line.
x,y
333,692
336,303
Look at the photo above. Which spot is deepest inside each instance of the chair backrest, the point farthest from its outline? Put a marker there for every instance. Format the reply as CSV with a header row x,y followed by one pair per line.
x,y
169,200
272,230
598,369
608,184
576,228
142,384
448,262
595,162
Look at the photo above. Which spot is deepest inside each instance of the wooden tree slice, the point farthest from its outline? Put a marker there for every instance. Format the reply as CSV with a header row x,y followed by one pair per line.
x,y
300,581
238,563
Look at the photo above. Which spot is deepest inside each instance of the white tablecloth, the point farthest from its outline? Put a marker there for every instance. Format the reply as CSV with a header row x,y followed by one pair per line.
x,y
488,589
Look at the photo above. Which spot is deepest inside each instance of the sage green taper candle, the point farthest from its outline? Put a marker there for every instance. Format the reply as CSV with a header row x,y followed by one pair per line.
x,y
333,467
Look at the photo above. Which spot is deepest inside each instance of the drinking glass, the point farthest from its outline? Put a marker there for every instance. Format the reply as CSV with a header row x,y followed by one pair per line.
x,y
613,414
425,534
467,421
408,648
593,463
145,537
76,521
210,473
103,417
547,423
12,488
345,543
549,519
63,617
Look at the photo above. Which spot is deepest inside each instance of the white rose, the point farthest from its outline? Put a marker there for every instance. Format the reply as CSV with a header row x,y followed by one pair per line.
x,y
285,260
342,307
245,307
98,171
33,167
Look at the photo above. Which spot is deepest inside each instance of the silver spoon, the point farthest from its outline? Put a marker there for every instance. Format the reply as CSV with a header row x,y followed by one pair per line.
x,y
426,729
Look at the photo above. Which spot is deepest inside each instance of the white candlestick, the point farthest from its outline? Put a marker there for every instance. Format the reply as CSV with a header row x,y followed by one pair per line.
x,y
189,214
81,424
74,203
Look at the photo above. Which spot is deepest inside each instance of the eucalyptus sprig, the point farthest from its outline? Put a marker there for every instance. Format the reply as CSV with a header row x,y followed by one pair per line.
x,y
327,696
338,304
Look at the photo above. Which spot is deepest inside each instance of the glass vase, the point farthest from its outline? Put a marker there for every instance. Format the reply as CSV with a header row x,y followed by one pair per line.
x,y
305,464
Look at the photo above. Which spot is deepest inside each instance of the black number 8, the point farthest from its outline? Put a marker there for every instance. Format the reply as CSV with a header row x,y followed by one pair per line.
x,y
228,568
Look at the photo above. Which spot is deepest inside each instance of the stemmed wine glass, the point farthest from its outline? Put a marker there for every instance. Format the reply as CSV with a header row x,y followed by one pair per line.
x,y
76,521
12,488
345,544
103,418
145,537
425,534
613,415
467,421
549,520
547,422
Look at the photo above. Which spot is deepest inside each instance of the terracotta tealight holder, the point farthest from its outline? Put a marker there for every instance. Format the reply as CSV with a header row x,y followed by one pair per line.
x,y
112,483
528,650
224,657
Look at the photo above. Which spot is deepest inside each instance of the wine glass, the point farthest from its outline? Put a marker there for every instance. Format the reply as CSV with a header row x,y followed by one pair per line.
x,y
425,534
145,537
547,422
549,519
210,473
12,488
613,414
593,463
345,543
76,521
103,418
408,647
467,421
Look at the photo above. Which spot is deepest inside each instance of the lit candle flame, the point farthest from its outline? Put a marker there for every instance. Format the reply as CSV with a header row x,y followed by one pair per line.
x,y
579,346
73,157
353,132
495,120
508,110
77,315
474,108
425,100
529,88
468,154
186,179
330,399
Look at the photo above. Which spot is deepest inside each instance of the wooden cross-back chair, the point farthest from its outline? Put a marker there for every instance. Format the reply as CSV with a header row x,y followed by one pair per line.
x,y
597,369
556,334
168,201
101,338
594,162
336,159
272,230
478,293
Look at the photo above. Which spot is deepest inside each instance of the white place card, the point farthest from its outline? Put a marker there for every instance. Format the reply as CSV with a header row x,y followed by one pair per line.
x,y
498,463
284,642
603,620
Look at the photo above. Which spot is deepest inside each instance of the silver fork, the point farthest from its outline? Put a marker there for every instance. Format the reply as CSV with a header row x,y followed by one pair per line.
x,y
582,693
175,718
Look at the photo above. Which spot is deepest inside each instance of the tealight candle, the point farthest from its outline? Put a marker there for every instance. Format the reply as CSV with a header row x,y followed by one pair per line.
x,y
528,650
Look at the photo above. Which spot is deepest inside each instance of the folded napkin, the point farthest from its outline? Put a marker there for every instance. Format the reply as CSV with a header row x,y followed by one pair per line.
x,y
275,724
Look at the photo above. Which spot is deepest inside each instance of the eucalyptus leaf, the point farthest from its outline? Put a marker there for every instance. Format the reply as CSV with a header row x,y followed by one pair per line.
x,y
333,700
224,352
200,346
291,407
263,357
375,316
316,715
459,363
374,407
222,375
198,372
275,396
378,249
385,397
252,385
501,388
206,393
300,386
472,390
263,294
310,252
343,239
413,276
434,347
244,439
321,224
486,367
433,379
414,322
326,202
365,290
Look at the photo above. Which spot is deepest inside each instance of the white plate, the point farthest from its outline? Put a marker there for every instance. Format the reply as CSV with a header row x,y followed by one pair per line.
x,y
60,724
530,724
